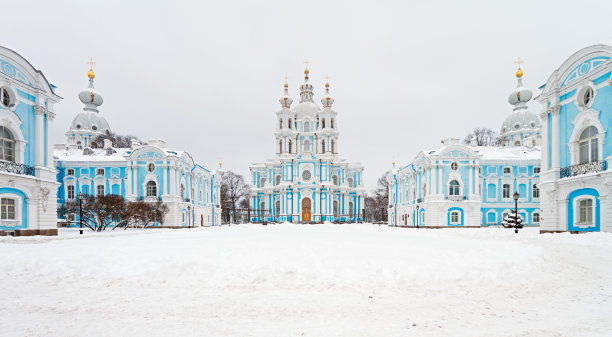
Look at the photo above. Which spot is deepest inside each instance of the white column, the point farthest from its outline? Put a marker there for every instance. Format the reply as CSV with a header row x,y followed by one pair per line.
x,y
165,182
471,179
428,173
440,181
128,182
172,180
50,118
434,179
135,178
544,142
556,141
40,135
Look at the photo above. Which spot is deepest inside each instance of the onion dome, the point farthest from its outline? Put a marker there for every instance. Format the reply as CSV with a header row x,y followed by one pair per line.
x,y
521,120
327,100
286,101
90,97
521,95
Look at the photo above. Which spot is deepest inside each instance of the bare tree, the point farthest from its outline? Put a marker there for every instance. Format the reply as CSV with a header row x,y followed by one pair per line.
x,y
233,190
143,214
119,141
483,136
376,204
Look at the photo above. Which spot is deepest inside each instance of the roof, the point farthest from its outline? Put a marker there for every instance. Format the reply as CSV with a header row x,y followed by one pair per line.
x,y
508,153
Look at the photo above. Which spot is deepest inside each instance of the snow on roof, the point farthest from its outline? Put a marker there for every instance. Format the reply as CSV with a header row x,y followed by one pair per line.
x,y
99,155
508,153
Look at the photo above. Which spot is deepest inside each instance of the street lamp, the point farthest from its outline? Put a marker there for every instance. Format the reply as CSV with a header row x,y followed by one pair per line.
x,y
81,197
188,215
514,220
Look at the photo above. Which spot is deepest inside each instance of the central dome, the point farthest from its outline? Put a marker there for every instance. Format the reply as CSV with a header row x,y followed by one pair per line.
x,y
306,109
90,121
521,120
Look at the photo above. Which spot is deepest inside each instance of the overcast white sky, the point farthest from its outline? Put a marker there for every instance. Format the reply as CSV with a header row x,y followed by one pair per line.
x,y
206,76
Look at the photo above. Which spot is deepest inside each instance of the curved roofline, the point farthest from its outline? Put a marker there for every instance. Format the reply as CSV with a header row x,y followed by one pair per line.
x,y
49,86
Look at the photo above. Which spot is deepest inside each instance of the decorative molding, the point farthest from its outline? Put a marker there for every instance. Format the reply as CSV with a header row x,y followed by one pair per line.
x,y
554,110
44,197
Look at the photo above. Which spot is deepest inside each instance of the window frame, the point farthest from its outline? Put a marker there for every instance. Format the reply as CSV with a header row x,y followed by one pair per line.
x,y
149,187
452,214
5,207
8,144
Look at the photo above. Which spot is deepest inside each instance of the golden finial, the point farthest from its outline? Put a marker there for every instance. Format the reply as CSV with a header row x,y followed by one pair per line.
x,y
519,72
286,85
327,81
90,73
306,71
393,163
220,163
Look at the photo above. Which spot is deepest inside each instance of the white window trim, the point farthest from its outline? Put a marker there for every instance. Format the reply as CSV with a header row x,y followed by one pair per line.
x,y
18,211
577,211
583,120
489,198
96,189
66,191
533,215
487,217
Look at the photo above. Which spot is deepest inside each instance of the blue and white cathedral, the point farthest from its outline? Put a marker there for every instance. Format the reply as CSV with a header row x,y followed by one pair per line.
x,y
148,172
464,185
306,181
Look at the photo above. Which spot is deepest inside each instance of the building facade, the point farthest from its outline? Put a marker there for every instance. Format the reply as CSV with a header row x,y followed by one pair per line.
x,y
148,172
576,150
27,175
306,181
460,185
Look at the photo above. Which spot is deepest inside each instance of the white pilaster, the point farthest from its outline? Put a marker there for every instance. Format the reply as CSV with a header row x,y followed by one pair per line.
x,y
544,140
39,137
556,141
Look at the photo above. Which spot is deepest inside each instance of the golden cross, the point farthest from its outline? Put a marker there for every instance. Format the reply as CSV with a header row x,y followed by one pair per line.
x,y
326,78
519,61
306,63
286,79
91,63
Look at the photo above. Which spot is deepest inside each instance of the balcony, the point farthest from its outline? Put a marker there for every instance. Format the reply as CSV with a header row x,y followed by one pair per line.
x,y
10,167
576,170
455,197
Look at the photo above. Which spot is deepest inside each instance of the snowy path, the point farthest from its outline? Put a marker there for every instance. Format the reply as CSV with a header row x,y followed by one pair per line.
x,y
294,280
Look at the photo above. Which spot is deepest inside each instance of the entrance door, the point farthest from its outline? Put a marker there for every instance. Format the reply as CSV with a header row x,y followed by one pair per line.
x,y
306,209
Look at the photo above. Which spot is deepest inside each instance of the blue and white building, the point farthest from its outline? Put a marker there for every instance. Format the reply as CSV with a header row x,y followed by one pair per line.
x,y
148,172
307,181
459,185
27,176
576,151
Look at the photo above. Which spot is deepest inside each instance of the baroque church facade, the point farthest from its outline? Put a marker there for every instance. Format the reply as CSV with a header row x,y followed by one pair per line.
x,y
27,175
149,172
576,180
306,181
465,185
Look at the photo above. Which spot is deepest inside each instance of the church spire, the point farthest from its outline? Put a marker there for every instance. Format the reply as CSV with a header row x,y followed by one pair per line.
x,y
521,95
306,93
327,100
286,101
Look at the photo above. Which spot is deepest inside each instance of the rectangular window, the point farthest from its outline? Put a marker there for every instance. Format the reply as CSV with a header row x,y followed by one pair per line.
x,y
7,209
584,152
100,190
586,211
536,191
536,170
70,172
100,172
506,191
491,217
536,218
454,217
507,170
70,192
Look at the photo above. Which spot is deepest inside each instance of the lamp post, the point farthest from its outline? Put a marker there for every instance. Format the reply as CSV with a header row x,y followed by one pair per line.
x,y
81,197
513,220
188,215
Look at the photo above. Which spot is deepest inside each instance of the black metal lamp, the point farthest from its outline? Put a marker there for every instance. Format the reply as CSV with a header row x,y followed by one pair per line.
x,y
81,197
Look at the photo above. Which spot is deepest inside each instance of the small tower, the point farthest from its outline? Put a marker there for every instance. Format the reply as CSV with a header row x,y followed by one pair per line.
x,y
522,127
88,124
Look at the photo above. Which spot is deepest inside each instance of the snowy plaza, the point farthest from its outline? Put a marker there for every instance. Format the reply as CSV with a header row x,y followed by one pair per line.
x,y
307,280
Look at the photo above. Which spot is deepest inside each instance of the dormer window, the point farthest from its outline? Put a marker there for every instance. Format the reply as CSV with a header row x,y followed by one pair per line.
x,y
517,126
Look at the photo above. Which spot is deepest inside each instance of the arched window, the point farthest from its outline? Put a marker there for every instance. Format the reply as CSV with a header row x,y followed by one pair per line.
x,y
323,146
506,191
151,189
331,124
424,190
7,145
333,150
290,146
262,208
306,127
278,180
453,188
323,123
306,145
335,180
351,210
183,192
277,209
289,123
280,146
535,218
280,123
536,191
350,182
79,146
588,145
263,182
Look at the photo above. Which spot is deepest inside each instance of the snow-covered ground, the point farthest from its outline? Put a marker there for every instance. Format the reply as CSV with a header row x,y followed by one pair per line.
x,y
307,280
